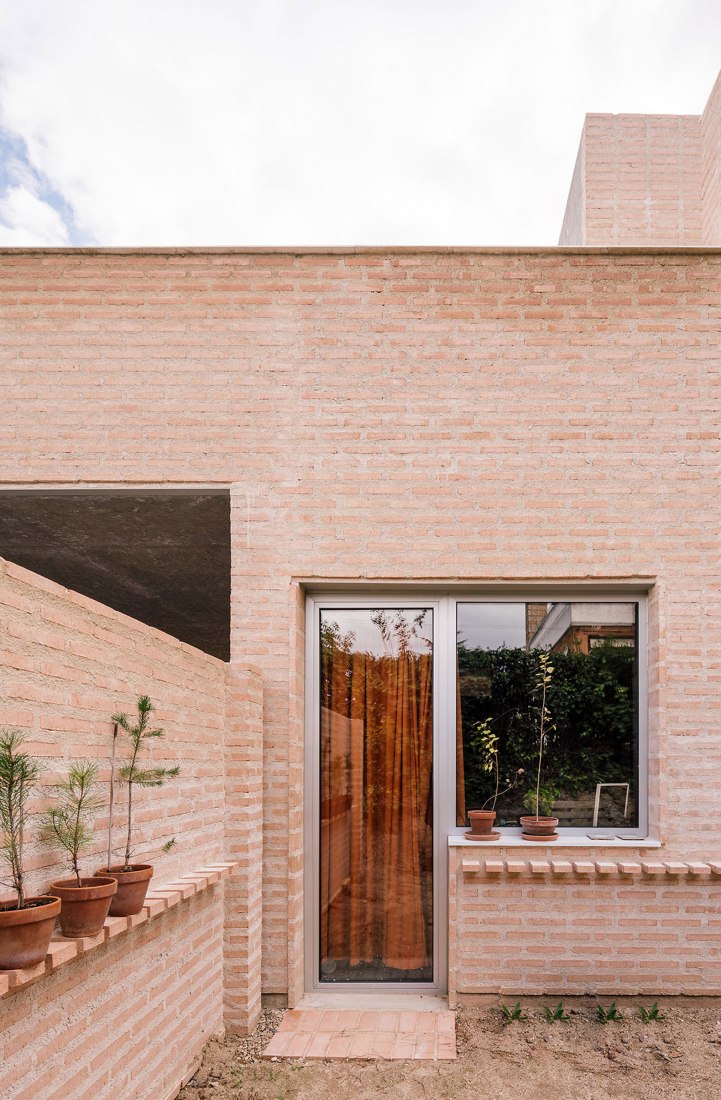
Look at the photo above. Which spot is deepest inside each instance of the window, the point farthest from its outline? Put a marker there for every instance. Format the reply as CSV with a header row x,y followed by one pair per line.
x,y
398,682
590,777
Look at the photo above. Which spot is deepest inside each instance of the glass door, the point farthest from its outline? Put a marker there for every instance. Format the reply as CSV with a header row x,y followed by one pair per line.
x,y
375,688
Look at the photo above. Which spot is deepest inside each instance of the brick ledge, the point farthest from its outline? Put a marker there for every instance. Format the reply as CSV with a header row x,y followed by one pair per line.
x,y
587,842
599,867
158,901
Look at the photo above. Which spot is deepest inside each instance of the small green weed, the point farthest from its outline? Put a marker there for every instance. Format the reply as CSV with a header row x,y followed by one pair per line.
x,y
557,1013
648,1015
508,1015
606,1015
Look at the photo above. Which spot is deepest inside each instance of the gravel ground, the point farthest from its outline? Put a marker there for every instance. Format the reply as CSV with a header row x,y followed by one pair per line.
x,y
678,1058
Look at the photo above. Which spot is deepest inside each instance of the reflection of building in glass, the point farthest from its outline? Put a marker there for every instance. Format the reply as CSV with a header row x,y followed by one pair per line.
x,y
582,626
535,614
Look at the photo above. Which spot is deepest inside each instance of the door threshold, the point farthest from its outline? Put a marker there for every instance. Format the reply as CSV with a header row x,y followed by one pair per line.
x,y
375,1000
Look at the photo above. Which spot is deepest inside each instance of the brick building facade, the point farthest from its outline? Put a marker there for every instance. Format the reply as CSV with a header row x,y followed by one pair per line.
x,y
397,421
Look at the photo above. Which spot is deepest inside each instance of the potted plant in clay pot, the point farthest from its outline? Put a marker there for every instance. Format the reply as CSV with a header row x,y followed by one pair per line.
x,y
85,901
540,827
26,924
481,821
133,878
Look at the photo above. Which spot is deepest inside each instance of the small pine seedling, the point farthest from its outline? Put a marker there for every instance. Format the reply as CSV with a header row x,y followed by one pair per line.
x,y
605,1015
508,1015
557,1013
131,772
650,1014
69,824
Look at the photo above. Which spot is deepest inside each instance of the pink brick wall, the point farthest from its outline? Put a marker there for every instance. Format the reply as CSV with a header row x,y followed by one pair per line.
x,y
576,933
67,663
711,167
573,230
638,182
481,414
647,180
128,1021
244,845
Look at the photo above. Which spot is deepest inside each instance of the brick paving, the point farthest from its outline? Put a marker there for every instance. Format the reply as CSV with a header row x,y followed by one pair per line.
x,y
345,1033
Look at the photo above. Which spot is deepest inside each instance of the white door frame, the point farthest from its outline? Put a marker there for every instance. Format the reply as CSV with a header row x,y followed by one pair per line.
x,y
442,785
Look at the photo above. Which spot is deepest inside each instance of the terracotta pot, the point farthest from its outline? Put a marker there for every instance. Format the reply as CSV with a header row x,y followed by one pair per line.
x,y
25,933
481,821
539,828
84,908
132,888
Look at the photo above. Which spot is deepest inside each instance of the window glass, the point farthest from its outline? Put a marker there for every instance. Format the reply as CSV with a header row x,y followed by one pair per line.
x,y
590,755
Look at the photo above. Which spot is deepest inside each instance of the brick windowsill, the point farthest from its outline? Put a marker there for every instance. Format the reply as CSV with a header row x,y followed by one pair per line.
x,y
604,868
163,897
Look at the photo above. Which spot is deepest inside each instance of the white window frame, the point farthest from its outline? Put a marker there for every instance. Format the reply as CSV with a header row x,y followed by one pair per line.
x,y
593,834
443,599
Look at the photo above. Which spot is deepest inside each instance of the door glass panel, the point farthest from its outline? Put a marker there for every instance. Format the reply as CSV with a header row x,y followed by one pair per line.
x,y
376,829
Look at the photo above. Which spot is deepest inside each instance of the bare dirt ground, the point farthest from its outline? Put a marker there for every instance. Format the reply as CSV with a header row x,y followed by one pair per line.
x,y
581,1059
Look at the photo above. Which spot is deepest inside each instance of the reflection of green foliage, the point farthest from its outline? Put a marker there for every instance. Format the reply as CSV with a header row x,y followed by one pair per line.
x,y
399,631
332,640
547,796
485,748
487,745
591,700
541,685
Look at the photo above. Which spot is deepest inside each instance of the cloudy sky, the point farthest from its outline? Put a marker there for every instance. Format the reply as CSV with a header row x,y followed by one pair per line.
x,y
250,122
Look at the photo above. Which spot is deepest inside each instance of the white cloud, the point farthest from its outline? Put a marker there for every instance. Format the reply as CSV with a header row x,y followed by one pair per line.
x,y
312,122
27,220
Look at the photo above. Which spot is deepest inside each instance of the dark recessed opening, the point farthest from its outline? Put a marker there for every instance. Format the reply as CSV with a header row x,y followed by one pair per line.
x,y
162,557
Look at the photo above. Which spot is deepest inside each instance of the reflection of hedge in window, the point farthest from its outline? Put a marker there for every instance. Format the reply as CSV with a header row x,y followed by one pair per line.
x,y
592,702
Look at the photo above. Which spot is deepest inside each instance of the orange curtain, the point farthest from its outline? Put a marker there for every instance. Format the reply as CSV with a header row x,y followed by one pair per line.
x,y
376,815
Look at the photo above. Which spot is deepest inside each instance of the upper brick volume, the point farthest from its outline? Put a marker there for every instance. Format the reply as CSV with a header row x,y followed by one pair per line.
x,y
647,180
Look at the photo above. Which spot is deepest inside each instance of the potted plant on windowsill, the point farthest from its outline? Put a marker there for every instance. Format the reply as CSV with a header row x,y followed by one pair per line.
x,y
547,798
85,901
540,827
26,924
481,821
134,878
